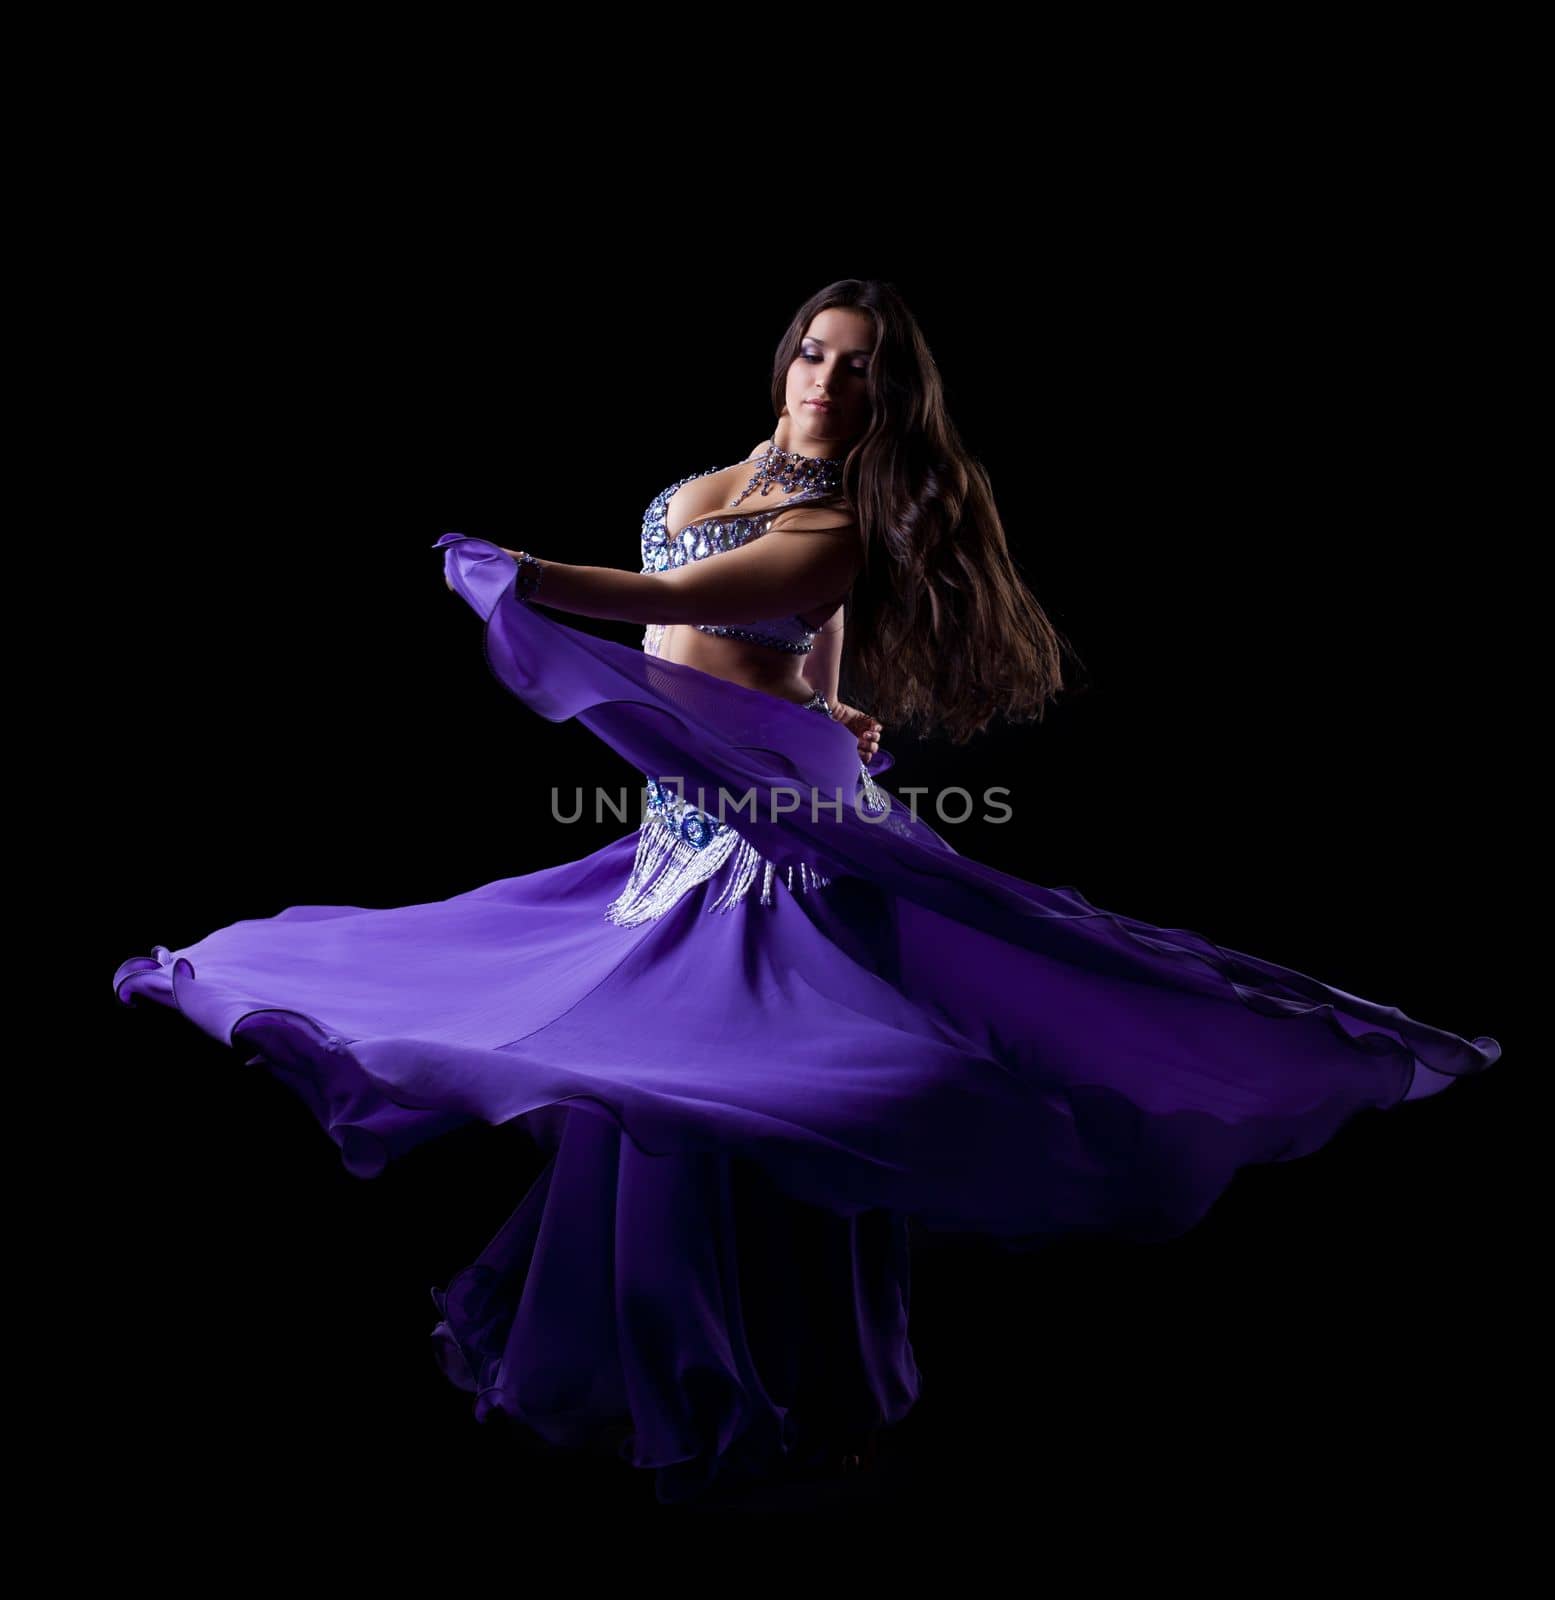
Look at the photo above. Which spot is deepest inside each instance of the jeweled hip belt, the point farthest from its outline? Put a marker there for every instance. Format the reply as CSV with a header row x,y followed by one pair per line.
x,y
679,845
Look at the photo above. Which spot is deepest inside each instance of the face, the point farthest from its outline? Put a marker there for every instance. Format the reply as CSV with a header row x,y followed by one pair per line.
x,y
832,365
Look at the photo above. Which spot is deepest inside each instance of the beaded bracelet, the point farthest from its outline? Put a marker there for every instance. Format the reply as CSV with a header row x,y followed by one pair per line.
x,y
529,571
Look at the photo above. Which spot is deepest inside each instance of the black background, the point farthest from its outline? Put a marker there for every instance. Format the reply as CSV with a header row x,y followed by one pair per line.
x,y
1237,466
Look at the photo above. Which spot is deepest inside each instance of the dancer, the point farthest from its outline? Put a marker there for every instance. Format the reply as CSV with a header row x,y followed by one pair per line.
x,y
763,1031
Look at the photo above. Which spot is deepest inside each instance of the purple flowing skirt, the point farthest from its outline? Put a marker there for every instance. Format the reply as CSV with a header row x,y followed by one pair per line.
x,y
744,1104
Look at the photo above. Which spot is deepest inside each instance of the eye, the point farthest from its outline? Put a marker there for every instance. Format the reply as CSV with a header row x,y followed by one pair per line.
x,y
810,355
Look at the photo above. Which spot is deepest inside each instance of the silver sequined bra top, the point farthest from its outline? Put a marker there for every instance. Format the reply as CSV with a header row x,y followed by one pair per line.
x,y
708,536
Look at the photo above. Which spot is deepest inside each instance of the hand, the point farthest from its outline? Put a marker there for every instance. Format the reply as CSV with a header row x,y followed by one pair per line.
x,y
862,726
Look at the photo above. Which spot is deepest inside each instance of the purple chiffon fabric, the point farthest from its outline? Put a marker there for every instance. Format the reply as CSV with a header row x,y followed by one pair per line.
x,y
743,1108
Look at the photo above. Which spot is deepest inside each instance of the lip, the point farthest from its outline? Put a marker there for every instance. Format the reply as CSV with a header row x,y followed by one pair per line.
x,y
820,405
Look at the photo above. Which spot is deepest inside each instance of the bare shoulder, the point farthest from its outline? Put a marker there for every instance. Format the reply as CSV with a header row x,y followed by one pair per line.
x,y
832,535
813,519
831,525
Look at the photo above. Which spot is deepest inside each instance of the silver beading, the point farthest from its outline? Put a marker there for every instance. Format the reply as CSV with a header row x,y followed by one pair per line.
x,y
529,572
679,846
792,471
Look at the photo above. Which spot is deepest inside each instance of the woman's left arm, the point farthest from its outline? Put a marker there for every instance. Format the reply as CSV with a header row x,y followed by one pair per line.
x,y
822,665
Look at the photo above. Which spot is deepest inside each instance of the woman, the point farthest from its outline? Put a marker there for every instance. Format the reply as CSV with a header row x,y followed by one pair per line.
x,y
761,1031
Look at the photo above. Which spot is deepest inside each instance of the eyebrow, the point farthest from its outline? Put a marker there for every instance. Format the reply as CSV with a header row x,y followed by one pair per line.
x,y
813,340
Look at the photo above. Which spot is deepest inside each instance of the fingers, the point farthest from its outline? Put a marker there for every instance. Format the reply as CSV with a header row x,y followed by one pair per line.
x,y
869,728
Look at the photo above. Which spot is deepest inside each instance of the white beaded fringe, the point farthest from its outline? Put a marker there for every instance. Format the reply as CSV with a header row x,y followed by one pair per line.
x,y
666,866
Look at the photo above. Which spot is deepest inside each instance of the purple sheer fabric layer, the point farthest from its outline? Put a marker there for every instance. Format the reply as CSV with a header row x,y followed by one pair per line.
x,y
925,1037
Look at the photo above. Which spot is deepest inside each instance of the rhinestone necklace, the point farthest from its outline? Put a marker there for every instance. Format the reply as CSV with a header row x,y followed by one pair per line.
x,y
792,471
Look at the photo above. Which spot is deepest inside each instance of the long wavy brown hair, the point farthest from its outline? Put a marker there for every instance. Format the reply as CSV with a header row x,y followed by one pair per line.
x,y
942,633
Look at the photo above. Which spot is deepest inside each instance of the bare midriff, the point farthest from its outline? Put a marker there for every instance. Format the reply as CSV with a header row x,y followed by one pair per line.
x,y
741,661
